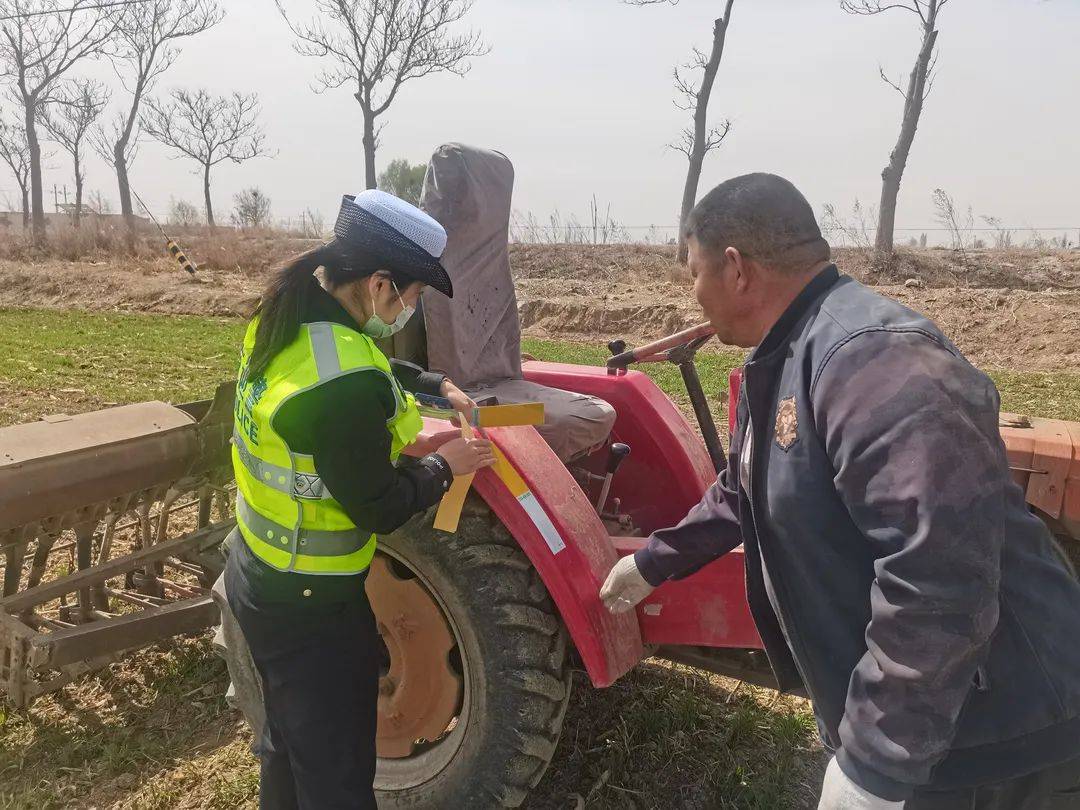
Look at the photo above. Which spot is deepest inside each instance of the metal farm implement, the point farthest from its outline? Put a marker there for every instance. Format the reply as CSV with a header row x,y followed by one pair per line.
x,y
108,535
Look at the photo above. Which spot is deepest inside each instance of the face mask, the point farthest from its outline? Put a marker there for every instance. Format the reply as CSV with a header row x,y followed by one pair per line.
x,y
378,329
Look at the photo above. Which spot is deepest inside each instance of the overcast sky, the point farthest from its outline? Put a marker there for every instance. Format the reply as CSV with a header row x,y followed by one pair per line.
x,y
578,94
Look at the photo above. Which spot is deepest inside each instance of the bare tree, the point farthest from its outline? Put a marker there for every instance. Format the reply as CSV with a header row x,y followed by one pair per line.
x,y
377,46
698,139
15,152
183,213
208,129
1003,236
103,139
252,208
147,38
918,88
98,204
40,41
68,120
953,220
855,230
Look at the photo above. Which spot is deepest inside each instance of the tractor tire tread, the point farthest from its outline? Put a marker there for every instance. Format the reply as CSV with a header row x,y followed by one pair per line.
x,y
528,655
527,617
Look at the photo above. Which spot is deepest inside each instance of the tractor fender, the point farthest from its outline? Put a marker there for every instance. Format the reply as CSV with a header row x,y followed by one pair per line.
x,y
561,534
558,529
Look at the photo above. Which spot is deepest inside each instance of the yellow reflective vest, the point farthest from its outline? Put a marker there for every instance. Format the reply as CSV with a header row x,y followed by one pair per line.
x,y
285,513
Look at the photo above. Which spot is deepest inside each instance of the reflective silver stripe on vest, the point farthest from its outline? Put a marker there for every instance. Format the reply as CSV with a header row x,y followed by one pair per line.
x,y
306,486
310,542
328,364
324,347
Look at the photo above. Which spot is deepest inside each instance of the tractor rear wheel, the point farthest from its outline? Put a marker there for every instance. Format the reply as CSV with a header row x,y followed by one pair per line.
x,y
468,615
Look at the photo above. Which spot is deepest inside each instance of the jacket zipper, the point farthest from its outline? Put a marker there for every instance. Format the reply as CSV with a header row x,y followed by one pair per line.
x,y
757,536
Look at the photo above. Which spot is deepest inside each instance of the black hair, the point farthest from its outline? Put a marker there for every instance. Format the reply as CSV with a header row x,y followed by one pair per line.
x,y
284,302
763,216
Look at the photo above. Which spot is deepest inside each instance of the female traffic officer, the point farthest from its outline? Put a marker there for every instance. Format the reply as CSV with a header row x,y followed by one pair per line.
x,y
321,418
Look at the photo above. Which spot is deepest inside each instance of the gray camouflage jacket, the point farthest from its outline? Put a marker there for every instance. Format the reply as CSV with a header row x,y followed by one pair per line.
x,y
892,566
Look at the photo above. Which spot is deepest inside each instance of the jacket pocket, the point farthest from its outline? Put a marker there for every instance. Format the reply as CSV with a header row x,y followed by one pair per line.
x,y
980,681
1010,693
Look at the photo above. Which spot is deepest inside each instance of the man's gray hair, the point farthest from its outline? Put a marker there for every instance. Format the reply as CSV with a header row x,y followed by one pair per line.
x,y
765,218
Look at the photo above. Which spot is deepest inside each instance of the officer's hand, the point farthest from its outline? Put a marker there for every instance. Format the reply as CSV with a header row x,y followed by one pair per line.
x,y
624,586
467,455
840,793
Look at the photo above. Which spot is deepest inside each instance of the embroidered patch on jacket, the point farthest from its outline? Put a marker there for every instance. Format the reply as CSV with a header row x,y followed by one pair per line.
x,y
787,423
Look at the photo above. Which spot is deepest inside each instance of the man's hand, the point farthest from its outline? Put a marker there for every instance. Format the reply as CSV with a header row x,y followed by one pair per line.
x,y
459,400
624,586
840,793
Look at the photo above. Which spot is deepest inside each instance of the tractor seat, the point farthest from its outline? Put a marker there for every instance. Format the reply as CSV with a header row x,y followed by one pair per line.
x,y
475,337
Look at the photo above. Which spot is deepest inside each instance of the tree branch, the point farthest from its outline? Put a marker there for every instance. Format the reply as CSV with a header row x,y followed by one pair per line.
x,y
380,45
890,82
871,7
207,129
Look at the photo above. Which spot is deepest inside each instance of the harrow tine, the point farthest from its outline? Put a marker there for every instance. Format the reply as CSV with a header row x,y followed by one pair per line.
x,y
45,543
15,554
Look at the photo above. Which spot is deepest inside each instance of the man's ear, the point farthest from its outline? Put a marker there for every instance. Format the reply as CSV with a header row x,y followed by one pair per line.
x,y
742,267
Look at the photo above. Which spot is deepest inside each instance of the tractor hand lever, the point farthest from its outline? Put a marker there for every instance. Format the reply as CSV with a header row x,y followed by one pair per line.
x,y
658,350
616,456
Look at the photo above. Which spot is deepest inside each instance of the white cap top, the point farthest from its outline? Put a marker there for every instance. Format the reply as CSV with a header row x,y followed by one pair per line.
x,y
405,218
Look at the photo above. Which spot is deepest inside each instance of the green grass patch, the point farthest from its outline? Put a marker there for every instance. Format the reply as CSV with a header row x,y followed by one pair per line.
x,y
75,361
1049,395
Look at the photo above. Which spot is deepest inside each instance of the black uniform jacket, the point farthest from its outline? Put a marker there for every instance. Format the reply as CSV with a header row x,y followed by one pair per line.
x,y
893,568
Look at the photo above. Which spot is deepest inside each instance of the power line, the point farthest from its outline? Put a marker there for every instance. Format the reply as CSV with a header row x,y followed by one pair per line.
x,y
95,7
617,226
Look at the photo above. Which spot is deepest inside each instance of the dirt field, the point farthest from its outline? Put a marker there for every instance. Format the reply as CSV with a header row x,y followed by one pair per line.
x,y
635,292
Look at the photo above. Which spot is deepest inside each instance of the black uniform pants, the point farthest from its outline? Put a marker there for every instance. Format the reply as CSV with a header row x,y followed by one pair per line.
x,y
319,670
1055,788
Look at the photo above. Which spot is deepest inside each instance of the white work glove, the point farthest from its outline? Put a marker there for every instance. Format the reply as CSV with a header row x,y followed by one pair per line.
x,y
840,793
624,586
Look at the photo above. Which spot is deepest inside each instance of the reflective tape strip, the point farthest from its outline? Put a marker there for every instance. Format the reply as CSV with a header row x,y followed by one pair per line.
x,y
310,542
542,522
303,485
520,490
324,347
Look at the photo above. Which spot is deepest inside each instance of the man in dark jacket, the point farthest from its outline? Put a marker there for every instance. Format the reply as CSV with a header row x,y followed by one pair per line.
x,y
892,567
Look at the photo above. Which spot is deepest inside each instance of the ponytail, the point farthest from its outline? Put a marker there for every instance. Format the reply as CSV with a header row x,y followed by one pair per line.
x,y
283,304
286,297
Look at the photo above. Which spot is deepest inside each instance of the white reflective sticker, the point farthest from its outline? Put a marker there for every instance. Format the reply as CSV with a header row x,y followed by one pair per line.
x,y
540,519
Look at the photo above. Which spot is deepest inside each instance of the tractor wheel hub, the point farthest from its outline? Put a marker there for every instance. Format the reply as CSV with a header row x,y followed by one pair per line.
x,y
420,696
